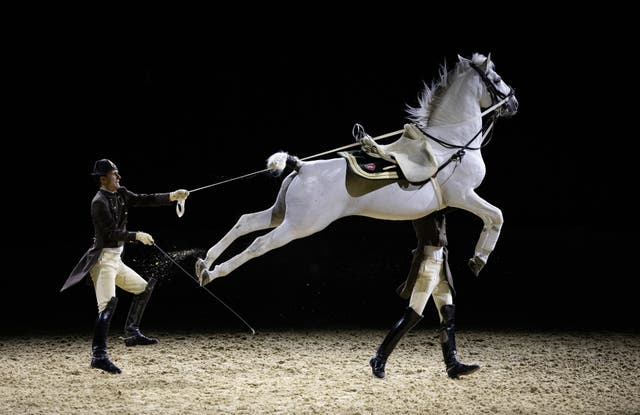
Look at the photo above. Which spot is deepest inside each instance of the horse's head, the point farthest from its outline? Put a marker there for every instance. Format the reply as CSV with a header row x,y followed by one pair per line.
x,y
494,87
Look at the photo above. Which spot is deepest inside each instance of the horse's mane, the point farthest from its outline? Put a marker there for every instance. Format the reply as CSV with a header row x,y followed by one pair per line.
x,y
432,94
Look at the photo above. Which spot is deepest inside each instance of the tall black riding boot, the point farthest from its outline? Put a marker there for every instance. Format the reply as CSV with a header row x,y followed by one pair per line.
x,y
455,369
402,326
100,358
132,335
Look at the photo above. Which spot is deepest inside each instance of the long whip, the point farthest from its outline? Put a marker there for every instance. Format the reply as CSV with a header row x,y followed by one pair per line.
x,y
205,288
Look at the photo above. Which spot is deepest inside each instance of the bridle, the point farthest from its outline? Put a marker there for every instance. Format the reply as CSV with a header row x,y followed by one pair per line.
x,y
498,99
496,95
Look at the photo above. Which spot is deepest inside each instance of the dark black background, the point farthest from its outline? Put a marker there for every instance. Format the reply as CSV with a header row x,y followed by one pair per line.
x,y
187,111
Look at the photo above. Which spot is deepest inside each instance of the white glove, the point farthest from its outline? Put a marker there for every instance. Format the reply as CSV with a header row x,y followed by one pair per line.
x,y
181,194
144,237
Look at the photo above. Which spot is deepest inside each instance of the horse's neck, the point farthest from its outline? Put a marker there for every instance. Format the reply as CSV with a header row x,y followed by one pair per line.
x,y
457,118
458,103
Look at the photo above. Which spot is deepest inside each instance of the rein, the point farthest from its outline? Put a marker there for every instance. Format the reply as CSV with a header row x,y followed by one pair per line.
x,y
181,202
495,94
494,117
180,205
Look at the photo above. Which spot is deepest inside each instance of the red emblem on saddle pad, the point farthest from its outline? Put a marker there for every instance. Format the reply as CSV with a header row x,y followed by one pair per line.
x,y
369,166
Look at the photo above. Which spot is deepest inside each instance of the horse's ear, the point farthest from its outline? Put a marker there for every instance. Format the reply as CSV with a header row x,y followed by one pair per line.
x,y
486,64
461,59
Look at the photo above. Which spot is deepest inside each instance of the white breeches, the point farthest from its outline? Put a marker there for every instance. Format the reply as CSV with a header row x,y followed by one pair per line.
x,y
110,272
431,281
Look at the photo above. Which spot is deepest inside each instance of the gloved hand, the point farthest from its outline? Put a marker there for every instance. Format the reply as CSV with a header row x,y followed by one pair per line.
x,y
144,237
181,194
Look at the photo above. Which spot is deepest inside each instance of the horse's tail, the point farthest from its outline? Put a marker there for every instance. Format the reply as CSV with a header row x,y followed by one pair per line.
x,y
279,161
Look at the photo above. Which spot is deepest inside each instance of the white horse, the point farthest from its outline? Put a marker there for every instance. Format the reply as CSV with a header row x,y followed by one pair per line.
x,y
322,191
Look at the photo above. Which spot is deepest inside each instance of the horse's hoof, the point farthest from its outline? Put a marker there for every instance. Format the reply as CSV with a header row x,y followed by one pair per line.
x,y
200,266
202,272
476,264
204,278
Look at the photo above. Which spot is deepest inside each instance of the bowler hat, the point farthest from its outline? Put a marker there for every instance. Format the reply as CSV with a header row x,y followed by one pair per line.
x,y
102,167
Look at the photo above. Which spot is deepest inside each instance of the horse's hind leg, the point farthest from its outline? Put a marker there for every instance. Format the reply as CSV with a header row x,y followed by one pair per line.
x,y
247,223
278,237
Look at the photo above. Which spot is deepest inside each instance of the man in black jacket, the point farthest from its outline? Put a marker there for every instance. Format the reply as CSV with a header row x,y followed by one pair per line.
x,y
103,262
429,276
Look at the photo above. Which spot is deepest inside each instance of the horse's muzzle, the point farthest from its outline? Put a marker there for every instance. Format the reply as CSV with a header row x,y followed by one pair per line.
x,y
510,108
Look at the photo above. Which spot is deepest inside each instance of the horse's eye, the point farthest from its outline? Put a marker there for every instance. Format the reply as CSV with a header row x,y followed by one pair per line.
x,y
497,80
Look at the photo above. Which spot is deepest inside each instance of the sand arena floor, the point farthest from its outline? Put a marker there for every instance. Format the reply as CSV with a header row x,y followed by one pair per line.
x,y
323,372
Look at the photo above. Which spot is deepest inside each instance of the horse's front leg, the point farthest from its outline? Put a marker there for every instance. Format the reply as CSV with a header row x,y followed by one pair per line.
x,y
492,219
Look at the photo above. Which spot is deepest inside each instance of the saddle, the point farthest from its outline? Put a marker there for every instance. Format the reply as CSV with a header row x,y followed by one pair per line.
x,y
409,159
412,153
370,167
